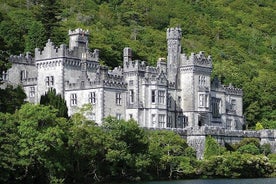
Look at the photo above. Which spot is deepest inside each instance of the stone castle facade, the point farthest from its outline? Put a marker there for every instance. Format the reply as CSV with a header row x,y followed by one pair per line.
x,y
177,93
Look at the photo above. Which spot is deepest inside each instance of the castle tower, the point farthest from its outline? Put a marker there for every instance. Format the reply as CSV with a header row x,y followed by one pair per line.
x,y
78,38
195,76
174,49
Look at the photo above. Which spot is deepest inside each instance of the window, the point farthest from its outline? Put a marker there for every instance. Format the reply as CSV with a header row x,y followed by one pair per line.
x,y
73,99
92,97
32,91
152,96
118,99
49,81
203,100
131,96
201,80
216,107
161,120
118,116
161,97
130,116
23,75
233,105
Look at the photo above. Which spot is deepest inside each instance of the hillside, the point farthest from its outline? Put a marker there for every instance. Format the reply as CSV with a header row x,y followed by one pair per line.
x,y
239,34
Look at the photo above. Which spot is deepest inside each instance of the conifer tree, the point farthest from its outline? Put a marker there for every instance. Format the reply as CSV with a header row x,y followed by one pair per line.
x,y
55,100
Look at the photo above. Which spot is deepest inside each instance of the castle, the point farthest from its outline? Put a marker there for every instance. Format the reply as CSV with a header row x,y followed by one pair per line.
x,y
177,94
174,94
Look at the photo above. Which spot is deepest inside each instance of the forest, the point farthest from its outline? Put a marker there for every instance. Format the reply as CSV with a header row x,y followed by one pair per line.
x,y
239,34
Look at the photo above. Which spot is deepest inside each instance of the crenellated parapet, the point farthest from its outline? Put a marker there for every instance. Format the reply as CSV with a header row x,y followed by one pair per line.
x,y
78,31
135,65
116,71
196,60
232,90
51,51
22,59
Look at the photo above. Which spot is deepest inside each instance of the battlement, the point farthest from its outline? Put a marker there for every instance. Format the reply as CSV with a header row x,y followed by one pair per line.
x,y
78,31
22,59
50,51
116,71
196,59
174,33
135,65
232,90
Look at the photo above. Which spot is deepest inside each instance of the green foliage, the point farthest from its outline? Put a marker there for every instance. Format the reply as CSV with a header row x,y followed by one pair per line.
x,y
126,148
11,98
259,126
36,145
8,148
36,36
269,124
86,144
250,148
212,148
41,137
55,100
236,165
170,155
247,141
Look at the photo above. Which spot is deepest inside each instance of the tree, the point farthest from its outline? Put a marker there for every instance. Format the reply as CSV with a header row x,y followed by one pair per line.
x,y
126,147
11,98
170,155
49,14
36,36
9,149
56,101
41,143
212,148
87,150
